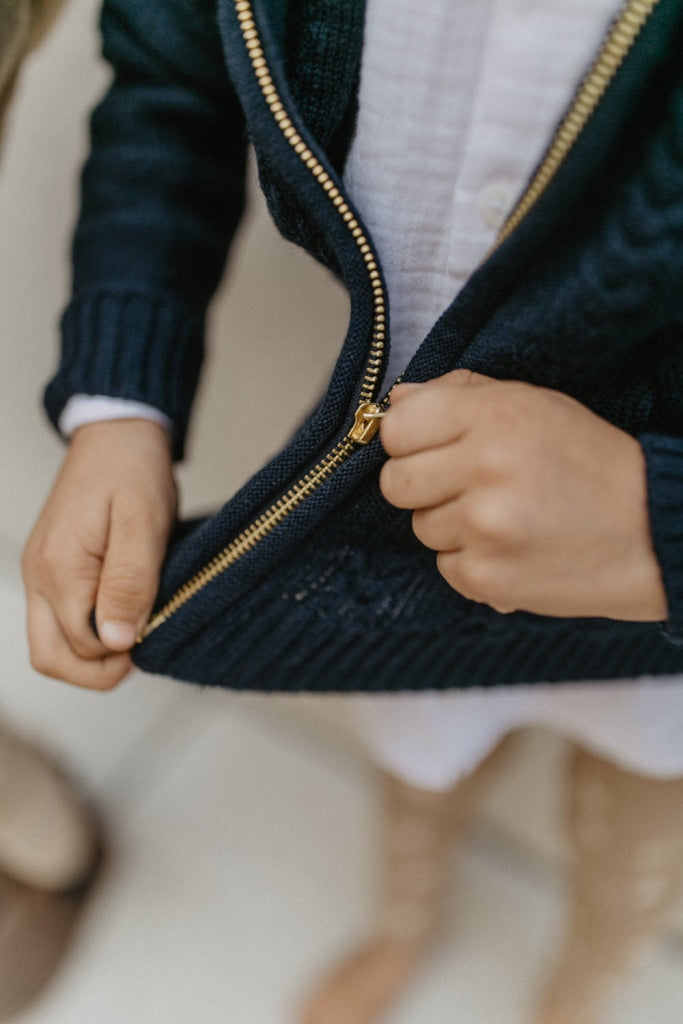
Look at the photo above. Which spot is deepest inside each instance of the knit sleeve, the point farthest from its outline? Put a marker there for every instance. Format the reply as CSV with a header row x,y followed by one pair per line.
x,y
162,192
664,460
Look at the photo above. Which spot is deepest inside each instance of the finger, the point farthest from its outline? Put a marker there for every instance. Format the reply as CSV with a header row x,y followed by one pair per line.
x,y
464,379
482,522
74,616
66,574
441,528
485,581
425,479
52,656
451,565
400,391
428,416
130,573
455,378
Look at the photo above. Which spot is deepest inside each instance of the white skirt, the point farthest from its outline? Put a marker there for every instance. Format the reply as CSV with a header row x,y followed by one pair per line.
x,y
442,147
433,739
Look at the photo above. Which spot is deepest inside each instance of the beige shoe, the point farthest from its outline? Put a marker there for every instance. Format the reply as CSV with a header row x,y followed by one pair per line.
x,y
48,838
35,932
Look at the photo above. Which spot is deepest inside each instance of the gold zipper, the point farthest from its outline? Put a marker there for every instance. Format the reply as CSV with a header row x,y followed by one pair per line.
x,y
369,412
259,64
368,415
619,40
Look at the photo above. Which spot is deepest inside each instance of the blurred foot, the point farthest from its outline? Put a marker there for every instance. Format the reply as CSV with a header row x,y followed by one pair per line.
x,y
35,932
49,840
364,986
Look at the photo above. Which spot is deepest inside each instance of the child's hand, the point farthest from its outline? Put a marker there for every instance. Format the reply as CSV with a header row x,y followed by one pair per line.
x,y
532,501
99,544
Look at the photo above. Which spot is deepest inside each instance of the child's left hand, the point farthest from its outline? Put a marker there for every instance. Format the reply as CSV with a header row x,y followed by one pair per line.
x,y
532,501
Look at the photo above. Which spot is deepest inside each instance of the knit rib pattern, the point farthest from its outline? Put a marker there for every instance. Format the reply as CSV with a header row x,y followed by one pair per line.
x,y
664,457
161,368
355,604
323,57
584,296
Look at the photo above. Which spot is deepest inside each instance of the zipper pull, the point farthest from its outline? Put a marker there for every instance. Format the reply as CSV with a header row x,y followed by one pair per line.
x,y
366,422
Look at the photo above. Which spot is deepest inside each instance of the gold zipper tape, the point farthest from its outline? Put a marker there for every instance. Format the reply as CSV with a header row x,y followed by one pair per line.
x,y
259,64
367,419
619,40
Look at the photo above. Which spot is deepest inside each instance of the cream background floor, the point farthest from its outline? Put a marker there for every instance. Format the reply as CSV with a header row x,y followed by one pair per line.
x,y
240,863
239,829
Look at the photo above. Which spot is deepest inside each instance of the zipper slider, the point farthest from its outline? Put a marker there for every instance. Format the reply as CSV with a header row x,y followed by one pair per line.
x,y
366,422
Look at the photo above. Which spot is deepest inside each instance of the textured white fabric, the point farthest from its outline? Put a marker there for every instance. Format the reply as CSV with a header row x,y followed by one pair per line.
x,y
434,739
457,101
418,85
83,409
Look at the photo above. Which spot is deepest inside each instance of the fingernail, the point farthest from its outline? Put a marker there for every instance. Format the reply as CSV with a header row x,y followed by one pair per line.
x,y
118,635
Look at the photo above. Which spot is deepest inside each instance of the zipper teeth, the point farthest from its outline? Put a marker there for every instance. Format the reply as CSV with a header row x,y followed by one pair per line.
x,y
269,519
620,39
254,533
252,40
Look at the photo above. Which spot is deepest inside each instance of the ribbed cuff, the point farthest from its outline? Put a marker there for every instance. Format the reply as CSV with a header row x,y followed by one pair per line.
x,y
134,346
664,457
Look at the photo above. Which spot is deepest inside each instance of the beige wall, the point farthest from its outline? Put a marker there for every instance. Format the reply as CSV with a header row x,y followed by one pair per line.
x,y
274,330
40,153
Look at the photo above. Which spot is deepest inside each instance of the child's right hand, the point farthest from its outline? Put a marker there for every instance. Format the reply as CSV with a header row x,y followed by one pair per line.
x,y
98,545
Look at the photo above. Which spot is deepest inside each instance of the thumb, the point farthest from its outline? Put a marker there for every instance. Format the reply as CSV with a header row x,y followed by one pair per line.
x,y
400,391
129,579
457,378
462,378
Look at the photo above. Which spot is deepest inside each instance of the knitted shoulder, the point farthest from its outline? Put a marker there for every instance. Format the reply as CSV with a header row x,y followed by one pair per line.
x,y
178,38
322,53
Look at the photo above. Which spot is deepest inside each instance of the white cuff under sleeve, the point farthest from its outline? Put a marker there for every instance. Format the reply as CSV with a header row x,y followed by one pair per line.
x,y
82,409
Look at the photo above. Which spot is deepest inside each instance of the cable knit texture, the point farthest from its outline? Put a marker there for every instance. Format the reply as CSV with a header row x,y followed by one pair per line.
x,y
585,297
163,191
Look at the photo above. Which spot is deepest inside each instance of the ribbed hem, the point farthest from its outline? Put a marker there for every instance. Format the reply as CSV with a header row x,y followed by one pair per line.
x,y
664,456
281,649
130,345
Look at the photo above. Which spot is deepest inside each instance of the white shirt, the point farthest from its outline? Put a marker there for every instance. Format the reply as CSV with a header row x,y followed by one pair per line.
x,y
456,106
458,99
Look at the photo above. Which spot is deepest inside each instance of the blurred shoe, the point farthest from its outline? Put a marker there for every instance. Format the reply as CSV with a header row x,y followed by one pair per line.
x,y
35,933
49,840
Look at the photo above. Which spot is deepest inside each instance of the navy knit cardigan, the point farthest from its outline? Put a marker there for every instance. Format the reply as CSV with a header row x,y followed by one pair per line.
x,y
585,296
